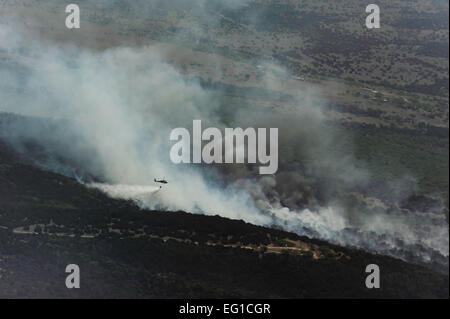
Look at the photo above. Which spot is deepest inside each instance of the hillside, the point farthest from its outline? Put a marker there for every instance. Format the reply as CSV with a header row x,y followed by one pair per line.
x,y
48,221
363,168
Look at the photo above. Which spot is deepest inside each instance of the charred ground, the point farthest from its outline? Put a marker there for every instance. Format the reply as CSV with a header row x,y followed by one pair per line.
x,y
48,221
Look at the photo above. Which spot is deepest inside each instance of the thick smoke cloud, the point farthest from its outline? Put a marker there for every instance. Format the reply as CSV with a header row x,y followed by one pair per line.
x,y
118,107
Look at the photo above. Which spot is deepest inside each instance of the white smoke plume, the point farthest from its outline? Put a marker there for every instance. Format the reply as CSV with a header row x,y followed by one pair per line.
x,y
122,103
129,192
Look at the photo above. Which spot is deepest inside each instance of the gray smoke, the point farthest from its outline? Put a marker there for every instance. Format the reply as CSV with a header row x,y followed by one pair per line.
x,y
119,105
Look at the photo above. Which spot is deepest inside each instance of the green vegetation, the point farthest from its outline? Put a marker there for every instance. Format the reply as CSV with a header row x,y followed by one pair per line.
x,y
394,154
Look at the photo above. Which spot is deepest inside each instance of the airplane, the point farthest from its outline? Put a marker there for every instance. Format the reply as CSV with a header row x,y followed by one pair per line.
x,y
162,181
